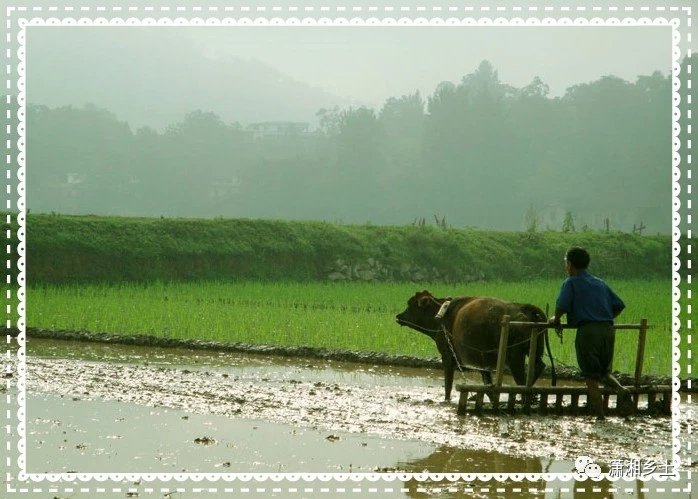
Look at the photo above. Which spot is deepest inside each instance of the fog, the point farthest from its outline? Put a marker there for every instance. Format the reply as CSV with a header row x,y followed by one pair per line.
x,y
371,64
152,76
509,128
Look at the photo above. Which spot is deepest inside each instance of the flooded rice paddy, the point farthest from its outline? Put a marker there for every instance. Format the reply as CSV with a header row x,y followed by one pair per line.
x,y
107,408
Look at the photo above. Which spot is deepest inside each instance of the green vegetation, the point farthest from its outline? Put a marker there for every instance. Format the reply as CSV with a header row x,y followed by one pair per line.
x,y
267,282
89,249
354,316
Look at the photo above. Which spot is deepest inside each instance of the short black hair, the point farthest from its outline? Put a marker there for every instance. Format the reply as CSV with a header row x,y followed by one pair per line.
x,y
578,257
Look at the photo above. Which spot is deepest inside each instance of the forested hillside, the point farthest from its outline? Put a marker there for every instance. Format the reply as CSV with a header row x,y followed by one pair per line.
x,y
475,153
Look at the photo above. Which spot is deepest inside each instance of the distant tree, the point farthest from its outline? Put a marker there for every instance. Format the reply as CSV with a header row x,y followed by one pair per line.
x,y
484,82
402,124
79,159
360,164
330,120
534,89
470,146
531,218
568,222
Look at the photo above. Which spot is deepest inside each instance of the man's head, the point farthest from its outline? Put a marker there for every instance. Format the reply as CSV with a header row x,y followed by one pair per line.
x,y
577,259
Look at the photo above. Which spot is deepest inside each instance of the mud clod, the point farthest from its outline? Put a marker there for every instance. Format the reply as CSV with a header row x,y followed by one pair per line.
x,y
205,441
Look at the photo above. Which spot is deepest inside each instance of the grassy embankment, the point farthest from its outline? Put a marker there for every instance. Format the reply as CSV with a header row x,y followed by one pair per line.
x,y
87,249
258,281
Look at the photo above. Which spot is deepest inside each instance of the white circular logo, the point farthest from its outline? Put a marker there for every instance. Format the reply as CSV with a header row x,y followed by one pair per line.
x,y
581,463
593,470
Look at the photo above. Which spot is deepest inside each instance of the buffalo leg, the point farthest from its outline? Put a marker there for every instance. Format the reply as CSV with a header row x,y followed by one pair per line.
x,y
540,366
518,368
487,380
518,371
448,375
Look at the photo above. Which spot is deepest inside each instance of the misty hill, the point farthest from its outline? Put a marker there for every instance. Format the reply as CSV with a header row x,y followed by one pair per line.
x,y
478,153
128,80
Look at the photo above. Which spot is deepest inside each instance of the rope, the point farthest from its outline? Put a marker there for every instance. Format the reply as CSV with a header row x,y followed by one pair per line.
x,y
448,336
497,349
453,352
420,328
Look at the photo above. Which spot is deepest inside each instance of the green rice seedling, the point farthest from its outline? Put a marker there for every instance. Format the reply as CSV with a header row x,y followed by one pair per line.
x,y
349,315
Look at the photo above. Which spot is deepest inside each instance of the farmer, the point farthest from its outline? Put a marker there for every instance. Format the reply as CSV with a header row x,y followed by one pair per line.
x,y
591,305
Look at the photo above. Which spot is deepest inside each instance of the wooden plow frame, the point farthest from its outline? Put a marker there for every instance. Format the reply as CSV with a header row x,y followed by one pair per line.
x,y
538,396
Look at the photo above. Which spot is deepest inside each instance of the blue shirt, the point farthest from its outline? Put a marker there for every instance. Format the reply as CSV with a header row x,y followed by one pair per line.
x,y
586,298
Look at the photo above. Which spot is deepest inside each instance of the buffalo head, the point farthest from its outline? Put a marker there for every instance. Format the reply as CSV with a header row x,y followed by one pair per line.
x,y
420,313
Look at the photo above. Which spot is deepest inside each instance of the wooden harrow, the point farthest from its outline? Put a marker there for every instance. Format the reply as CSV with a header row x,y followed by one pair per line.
x,y
560,400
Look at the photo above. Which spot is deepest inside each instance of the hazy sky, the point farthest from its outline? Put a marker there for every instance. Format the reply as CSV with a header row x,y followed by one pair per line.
x,y
358,65
373,63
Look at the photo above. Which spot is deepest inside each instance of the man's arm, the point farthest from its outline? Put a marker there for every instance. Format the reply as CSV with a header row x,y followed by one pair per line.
x,y
563,304
617,305
555,319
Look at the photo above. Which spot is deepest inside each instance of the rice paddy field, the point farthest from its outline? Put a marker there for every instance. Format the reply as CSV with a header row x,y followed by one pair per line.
x,y
351,316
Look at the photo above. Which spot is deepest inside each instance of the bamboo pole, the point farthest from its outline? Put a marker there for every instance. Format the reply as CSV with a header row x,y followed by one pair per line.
x,y
639,360
666,406
566,326
566,390
531,367
535,337
543,403
494,396
463,402
502,353
574,404
479,402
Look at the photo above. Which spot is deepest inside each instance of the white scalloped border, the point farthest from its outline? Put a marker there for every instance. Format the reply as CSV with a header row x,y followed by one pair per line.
x,y
23,23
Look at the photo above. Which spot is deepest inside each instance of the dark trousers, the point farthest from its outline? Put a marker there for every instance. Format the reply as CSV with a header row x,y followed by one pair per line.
x,y
594,345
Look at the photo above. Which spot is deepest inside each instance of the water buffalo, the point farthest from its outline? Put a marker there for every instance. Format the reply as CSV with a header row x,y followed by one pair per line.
x,y
473,324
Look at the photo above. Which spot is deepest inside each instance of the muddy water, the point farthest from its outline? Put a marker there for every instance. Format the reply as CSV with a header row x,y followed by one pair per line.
x,y
108,408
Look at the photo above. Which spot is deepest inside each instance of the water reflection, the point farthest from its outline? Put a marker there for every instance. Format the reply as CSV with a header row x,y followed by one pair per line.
x,y
603,488
469,461
448,460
